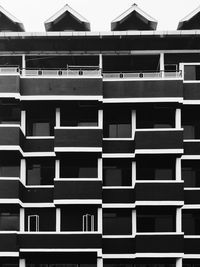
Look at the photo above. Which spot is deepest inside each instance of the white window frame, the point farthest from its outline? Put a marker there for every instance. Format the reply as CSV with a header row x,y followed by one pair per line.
x,y
37,222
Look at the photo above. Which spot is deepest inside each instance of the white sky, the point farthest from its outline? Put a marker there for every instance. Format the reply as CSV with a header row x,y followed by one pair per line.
x,y
100,13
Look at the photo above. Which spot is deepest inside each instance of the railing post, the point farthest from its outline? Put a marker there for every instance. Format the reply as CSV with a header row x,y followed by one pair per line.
x,y
162,64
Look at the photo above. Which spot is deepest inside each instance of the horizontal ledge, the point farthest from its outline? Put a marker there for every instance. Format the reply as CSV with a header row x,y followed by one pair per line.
x,y
159,203
77,128
40,137
158,181
78,201
118,139
159,151
60,97
77,179
118,155
159,130
78,149
143,100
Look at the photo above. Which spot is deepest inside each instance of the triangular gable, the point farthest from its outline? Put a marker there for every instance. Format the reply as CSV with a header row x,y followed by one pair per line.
x,y
67,19
191,21
134,19
9,23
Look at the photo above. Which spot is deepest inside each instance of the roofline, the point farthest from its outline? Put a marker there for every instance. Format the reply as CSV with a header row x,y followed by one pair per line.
x,y
99,34
12,18
190,15
134,7
63,10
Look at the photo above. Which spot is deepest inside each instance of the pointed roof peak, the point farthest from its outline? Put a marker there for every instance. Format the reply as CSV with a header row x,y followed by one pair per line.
x,y
17,24
84,24
138,20
191,21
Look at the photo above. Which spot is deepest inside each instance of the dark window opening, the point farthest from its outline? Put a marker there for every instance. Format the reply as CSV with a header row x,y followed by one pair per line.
x,y
117,222
155,168
9,167
79,218
43,219
79,115
191,263
192,72
9,219
40,171
9,113
156,220
117,123
117,172
155,117
191,173
191,222
191,123
78,167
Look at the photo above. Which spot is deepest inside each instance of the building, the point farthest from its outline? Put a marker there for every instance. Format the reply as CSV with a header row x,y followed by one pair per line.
x,y
100,143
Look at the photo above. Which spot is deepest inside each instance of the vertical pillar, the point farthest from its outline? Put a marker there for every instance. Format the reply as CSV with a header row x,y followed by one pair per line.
x,y
100,168
178,118
133,173
178,169
57,169
23,64
58,219
57,117
22,263
99,262
100,61
133,123
100,218
100,118
179,262
21,220
23,121
134,222
162,64
23,171
178,220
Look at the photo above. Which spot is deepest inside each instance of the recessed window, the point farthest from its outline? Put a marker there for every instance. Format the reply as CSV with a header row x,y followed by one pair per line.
x,y
9,167
9,113
117,222
117,172
191,222
40,171
78,167
191,123
9,219
192,72
191,173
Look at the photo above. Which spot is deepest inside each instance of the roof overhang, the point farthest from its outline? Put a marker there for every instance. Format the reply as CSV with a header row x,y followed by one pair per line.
x,y
184,23
12,19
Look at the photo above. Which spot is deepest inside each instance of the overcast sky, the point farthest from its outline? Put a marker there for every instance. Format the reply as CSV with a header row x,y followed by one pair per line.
x,y
100,13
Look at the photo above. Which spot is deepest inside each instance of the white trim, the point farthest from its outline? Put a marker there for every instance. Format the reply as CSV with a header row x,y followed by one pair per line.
x,y
11,148
39,154
77,201
134,222
118,236
100,118
38,205
10,125
119,256
178,169
57,117
9,254
190,157
59,97
191,140
39,186
191,102
159,151
10,95
23,121
77,128
78,149
133,123
99,169
192,236
192,188
136,9
60,233
178,119
159,130
117,187
160,233
143,99
100,220
62,11
10,16
75,179
9,178
159,181
159,203
58,219
159,255
191,256
119,139
118,206
133,173
190,15
40,137
118,155
178,220
57,170
193,206
22,219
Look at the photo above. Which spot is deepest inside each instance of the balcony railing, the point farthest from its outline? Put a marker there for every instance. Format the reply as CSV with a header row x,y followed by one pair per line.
x,y
142,75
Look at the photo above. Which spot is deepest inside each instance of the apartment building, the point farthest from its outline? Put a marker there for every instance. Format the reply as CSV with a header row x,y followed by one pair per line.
x,y
100,143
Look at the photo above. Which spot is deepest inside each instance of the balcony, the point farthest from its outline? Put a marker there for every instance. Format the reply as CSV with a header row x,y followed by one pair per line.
x,y
9,81
191,245
11,138
118,146
118,245
30,241
65,189
77,139
37,195
38,145
192,197
159,141
9,242
10,189
162,243
159,191
118,195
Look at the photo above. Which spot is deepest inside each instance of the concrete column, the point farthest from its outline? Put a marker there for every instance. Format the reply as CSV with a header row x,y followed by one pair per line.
x,y
178,169
22,263
23,121
133,122
57,169
100,61
100,219
100,118
57,117
178,118
134,222
23,64
179,262
178,220
23,171
58,219
162,63
99,262
100,168
133,173
22,220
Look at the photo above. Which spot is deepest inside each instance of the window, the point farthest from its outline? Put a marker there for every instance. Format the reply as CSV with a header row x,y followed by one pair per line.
x,y
9,219
9,113
9,167
191,173
191,123
117,123
40,171
191,222
192,72
117,222
117,172
88,223
78,167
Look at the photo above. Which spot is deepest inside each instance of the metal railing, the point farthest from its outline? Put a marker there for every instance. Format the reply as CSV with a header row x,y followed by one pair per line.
x,y
142,75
